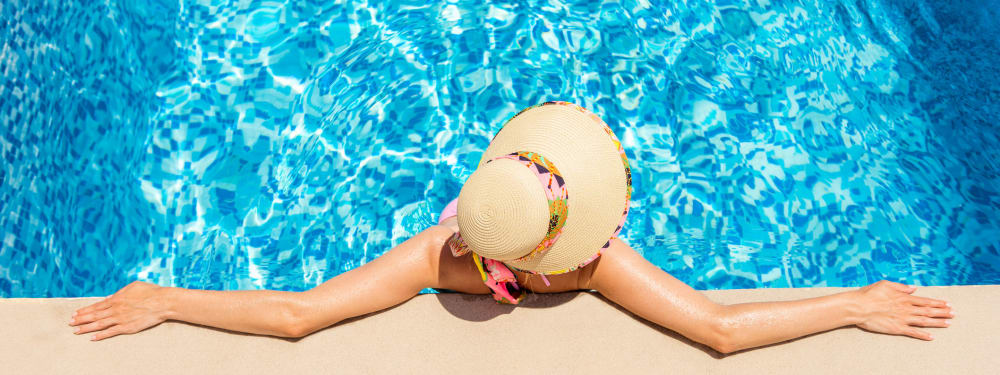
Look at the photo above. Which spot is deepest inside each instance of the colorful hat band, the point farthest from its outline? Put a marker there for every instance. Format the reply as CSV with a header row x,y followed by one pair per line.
x,y
621,153
555,191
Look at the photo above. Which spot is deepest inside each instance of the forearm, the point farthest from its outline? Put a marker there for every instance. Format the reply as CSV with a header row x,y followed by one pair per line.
x,y
266,312
623,276
749,325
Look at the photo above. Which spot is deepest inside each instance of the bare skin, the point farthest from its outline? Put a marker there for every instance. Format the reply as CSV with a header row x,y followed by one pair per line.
x,y
620,274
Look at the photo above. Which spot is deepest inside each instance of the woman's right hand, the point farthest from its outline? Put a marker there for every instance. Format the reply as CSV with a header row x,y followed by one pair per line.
x,y
889,307
135,307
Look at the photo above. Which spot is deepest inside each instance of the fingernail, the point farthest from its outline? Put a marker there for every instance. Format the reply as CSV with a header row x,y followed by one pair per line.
x,y
947,322
932,337
74,313
77,330
947,304
94,337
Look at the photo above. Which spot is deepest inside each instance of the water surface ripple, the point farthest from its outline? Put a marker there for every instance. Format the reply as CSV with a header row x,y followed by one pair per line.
x,y
275,144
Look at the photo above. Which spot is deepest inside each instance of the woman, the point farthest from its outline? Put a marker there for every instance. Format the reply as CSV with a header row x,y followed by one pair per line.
x,y
504,234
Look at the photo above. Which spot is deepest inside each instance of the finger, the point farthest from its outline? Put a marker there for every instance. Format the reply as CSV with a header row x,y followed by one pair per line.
x,y
95,326
930,302
923,321
932,312
100,305
110,332
87,318
919,334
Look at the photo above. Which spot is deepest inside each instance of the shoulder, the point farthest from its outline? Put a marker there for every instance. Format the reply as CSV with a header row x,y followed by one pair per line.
x,y
450,224
440,232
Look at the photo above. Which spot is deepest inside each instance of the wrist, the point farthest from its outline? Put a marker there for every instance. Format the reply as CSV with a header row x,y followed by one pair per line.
x,y
168,297
854,308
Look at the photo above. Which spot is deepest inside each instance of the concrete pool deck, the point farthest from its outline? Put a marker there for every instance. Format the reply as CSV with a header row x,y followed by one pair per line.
x,y
452,332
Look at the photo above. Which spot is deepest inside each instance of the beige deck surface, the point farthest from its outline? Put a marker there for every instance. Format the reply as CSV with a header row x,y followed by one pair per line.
x,y
558,333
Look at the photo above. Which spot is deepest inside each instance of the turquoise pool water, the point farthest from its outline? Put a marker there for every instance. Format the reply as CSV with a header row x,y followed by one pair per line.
x,y
276,144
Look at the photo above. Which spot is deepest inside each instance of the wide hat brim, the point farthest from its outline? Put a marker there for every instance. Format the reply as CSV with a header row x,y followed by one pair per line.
x,y
575,140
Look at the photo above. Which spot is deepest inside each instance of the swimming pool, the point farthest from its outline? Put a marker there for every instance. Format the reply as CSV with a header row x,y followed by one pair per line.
x,y
276,144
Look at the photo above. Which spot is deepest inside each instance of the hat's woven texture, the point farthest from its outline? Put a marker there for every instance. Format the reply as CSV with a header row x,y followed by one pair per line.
x,y
502,208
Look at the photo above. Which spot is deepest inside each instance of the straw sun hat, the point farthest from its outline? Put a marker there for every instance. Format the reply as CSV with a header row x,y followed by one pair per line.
x,y
549,193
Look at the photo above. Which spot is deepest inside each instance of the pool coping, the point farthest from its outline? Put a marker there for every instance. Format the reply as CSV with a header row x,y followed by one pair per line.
x,y
557,333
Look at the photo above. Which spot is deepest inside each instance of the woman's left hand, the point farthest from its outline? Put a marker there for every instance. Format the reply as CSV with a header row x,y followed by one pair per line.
x,y
135,307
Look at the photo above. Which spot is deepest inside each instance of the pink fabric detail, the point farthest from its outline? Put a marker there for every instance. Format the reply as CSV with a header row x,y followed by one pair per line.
x,y
497,278
496,275
450,210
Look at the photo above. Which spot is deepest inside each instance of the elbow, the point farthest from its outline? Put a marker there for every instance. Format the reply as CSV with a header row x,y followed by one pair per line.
x,y
723,345
294,323
296,327
296,330
721,336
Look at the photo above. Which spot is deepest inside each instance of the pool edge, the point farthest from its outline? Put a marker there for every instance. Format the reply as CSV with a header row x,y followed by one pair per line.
x,y
566,332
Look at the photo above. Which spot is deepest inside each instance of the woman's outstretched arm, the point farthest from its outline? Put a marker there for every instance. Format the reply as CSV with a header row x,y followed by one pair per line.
x,y
423,261
625,277
419,262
